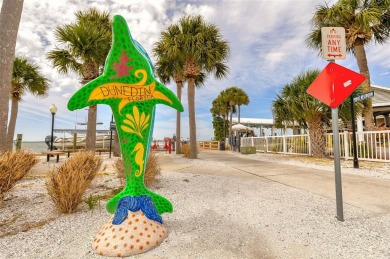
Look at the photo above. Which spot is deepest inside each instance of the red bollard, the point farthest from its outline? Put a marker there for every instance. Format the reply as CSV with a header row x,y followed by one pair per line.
x,y
169,145
165,144
154,145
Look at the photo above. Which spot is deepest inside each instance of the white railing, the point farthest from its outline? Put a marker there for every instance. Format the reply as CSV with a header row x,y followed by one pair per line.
x,y
371,145
292,144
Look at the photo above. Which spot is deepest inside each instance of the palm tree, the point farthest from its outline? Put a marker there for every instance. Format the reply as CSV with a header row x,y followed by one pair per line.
x,y
219,109
25,78
295,105
364,21
85,45
242,99
168,68
11,11
201,49
171,68
281,113
235,96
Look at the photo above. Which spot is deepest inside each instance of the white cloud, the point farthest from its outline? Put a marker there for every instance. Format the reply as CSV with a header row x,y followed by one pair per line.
x,y
267,50
274,58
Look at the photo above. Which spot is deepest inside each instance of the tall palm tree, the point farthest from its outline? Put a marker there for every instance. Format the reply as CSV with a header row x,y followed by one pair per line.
x,y
220,109
11,11
219,106
227,108
364,21
168,68
235,96
25,78
294,104
242,99
85,45
200,48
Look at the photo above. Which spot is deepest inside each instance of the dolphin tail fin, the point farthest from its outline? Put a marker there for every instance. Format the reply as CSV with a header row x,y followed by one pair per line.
x,y
161,203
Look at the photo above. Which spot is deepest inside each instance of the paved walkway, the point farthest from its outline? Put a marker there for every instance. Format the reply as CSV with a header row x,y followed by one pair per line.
x,y
369,193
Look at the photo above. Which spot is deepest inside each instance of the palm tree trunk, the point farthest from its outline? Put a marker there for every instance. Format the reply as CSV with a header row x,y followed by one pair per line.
x,y
116,145
191,115
239,113
224,125
360,55
317,139
11,11
91,129
230,122
12,123
231,125
179,85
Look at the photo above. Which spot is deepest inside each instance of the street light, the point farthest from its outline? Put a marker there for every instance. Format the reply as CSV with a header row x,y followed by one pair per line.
x,y
53,110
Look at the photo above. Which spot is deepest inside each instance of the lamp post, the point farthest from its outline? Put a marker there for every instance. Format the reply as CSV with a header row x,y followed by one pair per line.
x,y
355,158
53,110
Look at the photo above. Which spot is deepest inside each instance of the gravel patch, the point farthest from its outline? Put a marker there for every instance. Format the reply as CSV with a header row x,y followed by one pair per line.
x,y
214,217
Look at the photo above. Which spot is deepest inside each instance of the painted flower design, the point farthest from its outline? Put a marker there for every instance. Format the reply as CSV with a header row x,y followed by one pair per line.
x,y
136,123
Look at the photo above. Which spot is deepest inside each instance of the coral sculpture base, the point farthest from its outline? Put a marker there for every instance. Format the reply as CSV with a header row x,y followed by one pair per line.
x,y
137,234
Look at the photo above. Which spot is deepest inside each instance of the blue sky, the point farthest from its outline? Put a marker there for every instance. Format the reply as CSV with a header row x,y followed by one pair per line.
x,y
266,38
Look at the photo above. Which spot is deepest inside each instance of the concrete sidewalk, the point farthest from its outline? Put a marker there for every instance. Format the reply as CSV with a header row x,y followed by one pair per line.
x,y
369,193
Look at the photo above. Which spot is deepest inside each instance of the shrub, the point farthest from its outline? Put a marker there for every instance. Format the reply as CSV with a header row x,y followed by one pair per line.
x,y
13,167
185,149
151,171
67,183
92,202
120,170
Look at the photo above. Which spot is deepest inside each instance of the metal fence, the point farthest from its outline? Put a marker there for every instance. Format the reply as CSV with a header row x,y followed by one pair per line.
x,y
371,145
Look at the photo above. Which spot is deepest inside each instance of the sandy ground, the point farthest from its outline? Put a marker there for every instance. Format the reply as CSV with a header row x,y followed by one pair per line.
x,y
214,217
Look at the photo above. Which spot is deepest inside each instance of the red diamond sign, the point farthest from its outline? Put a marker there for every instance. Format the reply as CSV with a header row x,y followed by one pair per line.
x,y
334,84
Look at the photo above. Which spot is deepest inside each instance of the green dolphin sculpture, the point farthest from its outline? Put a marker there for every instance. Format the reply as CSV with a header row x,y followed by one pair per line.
x,y
129,87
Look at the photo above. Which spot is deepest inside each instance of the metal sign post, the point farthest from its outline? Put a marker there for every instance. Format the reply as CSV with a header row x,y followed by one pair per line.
x,y
355,158
336,157
337,167
332,86
356,99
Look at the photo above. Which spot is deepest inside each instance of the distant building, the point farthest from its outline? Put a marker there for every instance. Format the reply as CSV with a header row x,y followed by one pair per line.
x,y
381,105
381,114
265,127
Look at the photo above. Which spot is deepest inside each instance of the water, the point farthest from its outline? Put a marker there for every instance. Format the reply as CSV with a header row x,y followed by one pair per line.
x,y
34,146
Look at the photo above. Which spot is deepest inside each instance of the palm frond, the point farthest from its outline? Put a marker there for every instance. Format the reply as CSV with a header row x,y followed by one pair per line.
x,y
64,61
86,40
365,20
26,77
